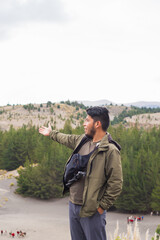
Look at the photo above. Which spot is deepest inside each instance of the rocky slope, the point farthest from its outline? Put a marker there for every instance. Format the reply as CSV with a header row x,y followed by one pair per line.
x,y
146,120
41,114
38,115
57,114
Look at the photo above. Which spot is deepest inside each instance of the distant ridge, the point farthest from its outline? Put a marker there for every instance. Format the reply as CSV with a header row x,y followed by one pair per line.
x,y
96,103
144,104
104,102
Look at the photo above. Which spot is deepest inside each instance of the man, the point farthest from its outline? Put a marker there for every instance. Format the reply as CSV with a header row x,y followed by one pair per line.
x,y
96,190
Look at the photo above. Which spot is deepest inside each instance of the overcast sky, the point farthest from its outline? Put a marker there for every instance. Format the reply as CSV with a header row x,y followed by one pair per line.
x,y
53,50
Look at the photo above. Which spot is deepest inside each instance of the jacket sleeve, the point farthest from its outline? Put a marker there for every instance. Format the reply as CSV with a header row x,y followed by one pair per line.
x,y
114,179
69,140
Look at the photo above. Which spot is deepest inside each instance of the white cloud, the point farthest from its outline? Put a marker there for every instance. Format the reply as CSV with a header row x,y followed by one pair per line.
x,y
107,49
18,12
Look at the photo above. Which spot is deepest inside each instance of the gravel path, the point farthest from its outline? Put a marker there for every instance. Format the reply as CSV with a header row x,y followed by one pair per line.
x,y
48,220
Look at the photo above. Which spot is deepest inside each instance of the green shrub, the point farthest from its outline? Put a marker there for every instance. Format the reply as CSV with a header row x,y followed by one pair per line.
x,y
39,182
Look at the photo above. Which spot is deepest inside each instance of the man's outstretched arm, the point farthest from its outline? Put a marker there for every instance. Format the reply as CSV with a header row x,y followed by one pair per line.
x,y
69,140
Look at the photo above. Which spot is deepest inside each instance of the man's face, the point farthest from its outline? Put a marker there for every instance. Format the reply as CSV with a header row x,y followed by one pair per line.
x,y
89,126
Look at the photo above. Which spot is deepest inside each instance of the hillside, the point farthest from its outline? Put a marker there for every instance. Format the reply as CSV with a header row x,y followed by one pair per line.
x,y
41,114
146,120
38,115
57,114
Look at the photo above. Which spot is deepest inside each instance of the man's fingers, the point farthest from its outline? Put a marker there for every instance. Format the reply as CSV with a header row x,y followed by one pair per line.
x,y
42,129
45,130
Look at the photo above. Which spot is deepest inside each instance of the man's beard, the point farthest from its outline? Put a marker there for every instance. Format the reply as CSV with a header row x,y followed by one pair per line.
x,y
91,133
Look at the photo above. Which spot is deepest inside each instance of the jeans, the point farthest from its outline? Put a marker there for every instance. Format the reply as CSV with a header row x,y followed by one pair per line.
x,y
86,228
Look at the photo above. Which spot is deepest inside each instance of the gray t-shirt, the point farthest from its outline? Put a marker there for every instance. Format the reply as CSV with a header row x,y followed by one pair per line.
x,y
76,189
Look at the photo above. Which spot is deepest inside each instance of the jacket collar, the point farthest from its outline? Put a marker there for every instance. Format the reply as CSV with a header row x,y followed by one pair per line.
x,y
104,142
108,139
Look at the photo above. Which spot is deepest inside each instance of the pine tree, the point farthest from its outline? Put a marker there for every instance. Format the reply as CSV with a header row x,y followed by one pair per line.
x,y
155,197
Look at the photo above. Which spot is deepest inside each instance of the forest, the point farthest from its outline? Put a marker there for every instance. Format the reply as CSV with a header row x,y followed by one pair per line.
x,y
41,164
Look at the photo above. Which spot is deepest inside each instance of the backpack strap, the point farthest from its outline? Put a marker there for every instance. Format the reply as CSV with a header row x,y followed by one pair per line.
x,y
76,150
82,142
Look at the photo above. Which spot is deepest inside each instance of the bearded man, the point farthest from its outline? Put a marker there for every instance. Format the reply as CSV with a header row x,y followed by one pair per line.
x,y
93,174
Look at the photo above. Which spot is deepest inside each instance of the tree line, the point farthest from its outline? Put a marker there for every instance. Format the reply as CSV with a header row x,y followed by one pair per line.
x,y
133,111
140,160
141,169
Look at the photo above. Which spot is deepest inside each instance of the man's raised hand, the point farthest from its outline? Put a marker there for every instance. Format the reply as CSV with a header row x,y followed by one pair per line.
x,y
45,130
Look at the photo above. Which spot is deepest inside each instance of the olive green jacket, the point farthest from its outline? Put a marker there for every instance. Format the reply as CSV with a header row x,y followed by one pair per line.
x,y
103,182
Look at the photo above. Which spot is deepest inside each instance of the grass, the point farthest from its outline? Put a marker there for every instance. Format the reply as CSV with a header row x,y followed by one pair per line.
x,y
132,234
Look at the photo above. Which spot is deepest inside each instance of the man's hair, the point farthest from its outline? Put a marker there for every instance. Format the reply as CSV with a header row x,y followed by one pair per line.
x,y
100,114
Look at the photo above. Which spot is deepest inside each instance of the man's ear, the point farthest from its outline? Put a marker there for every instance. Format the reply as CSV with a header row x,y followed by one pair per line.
x,y
98,124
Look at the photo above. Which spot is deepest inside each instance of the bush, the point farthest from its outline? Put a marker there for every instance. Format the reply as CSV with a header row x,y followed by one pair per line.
x,y
39,182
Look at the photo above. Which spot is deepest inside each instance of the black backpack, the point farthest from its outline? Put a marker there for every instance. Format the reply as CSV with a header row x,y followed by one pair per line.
x,y
76,167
